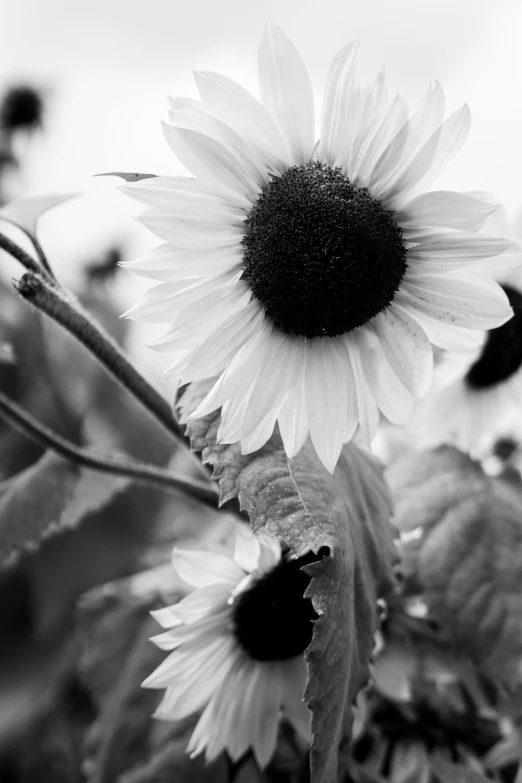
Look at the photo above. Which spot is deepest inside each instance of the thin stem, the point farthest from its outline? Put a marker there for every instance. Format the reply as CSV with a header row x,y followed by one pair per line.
x,y
142,472
40,252
19,254
73,319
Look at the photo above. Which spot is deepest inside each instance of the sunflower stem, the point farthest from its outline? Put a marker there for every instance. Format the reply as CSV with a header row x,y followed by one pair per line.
x,y
24,258
62,309
138,471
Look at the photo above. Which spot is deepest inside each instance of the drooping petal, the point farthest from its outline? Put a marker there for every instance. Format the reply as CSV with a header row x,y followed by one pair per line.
x,y
368,411
406,347
392,398
327,400
293,416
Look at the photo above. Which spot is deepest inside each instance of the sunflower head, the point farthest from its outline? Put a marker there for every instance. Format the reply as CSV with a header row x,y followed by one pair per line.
x,y
311,278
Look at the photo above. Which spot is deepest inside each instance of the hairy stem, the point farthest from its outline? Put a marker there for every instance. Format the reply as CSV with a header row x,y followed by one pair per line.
x,y
71,316
138,471
19,254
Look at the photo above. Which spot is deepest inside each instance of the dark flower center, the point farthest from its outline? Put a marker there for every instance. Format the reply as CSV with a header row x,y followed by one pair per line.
x,y
321,255
271,620
501,355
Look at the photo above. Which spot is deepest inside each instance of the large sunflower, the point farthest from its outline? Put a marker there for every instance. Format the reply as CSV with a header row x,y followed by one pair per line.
x,y
313,277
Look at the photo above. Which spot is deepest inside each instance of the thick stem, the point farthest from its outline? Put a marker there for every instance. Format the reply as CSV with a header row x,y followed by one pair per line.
x,y
141,472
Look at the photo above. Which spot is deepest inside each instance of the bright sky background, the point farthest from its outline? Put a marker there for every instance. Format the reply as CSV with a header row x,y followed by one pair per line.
x,y
108,65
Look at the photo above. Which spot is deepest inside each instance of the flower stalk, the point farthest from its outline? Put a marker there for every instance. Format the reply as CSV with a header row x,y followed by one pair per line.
x,y
144,473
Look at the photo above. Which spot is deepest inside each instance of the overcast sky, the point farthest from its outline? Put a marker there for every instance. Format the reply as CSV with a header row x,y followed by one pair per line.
x,y
108,66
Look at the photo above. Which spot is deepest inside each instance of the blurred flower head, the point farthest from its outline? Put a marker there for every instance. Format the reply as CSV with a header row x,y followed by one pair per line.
x,y
237,647
22,107
313,276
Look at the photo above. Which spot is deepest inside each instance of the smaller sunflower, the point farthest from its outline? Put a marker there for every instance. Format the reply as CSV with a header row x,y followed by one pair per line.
x,y
477,395
237,646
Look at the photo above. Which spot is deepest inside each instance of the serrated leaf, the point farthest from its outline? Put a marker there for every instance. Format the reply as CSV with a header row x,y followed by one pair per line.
x,y
127,176
48,497
346,518
26,212
464,560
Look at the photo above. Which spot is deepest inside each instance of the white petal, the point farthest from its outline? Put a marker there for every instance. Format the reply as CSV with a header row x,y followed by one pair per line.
x,y
255,404
408,140
238,373
240,110
166,617
391,396
210,161
223,344
198,649
197,232
448,336
406,348
257,438
190,693
163,191
431,160
201,602
368,411
460,298
270,694
168,264
372,147
446,208
200,569
210,626
286,91
293,417
450,244
270,553
246,549
164,302
294,681
342,106
197,118
327,400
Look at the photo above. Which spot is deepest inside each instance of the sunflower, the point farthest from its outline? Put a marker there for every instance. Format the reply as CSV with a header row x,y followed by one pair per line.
x,y
477,396
312,277
237,646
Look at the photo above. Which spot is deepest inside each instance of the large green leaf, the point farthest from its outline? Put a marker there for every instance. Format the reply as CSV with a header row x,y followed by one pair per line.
x,y
345,517
461,554
50,496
